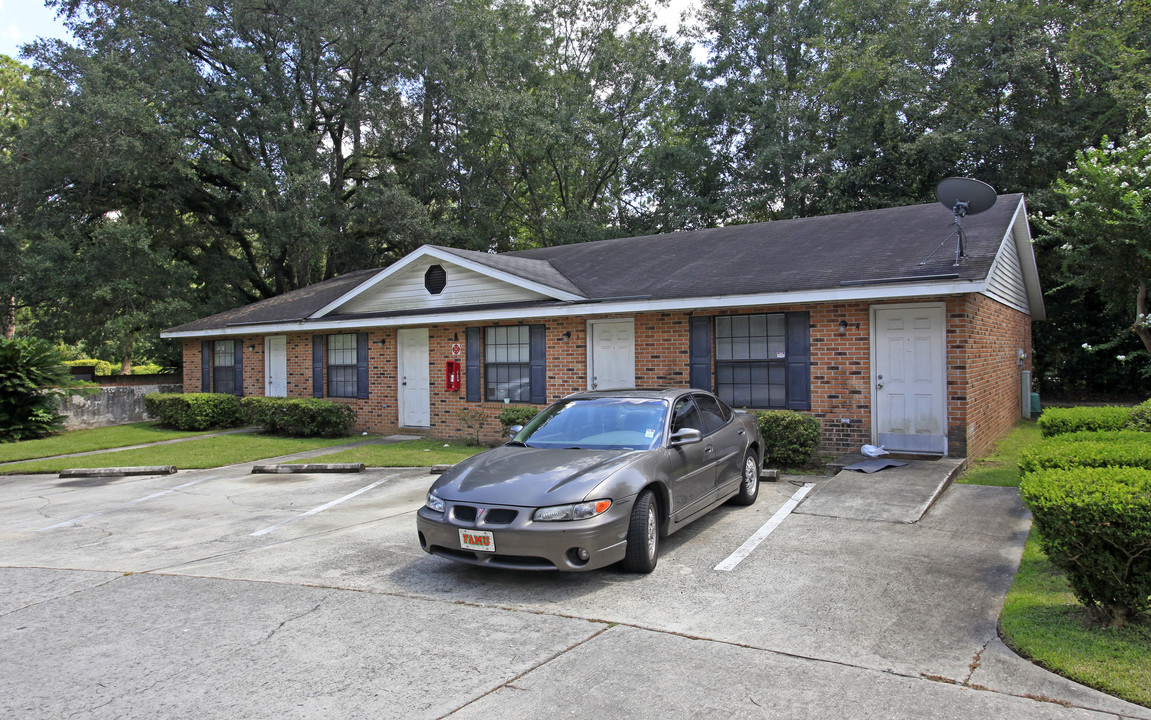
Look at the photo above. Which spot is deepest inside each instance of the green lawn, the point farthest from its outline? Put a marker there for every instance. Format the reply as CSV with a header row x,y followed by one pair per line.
x,y
411,453
1001,467
1042,620
95,439
203,453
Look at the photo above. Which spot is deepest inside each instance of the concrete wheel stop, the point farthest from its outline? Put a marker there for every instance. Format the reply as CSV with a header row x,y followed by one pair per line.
x,y
310,468
119,471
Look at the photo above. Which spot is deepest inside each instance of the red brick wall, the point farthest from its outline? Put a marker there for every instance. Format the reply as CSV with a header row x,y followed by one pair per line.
x,y
983,340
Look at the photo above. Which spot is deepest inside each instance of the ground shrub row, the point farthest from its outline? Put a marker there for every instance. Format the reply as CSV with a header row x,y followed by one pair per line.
x,y
1061,421
1115,448
1090,496
298,417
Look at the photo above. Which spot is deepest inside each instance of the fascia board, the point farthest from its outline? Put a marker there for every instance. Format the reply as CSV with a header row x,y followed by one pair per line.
x,y
429,251
902,291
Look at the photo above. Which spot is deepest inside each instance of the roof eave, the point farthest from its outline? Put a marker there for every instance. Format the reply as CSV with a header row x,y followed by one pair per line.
x,y
585,308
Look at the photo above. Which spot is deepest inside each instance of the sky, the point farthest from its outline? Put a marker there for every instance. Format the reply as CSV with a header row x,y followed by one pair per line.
x,y
22,21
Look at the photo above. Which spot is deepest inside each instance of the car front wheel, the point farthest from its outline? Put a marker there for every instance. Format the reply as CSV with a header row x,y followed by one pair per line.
x,y
748,482
643,535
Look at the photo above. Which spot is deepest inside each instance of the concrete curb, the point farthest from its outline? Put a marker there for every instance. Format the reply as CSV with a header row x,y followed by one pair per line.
x,y
310,468
119,471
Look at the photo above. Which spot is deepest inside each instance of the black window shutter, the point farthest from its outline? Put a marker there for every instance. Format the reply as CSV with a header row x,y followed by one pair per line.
x,y
362,365
699,353
798,361
238,369
539,367
318,366
206,366
473,353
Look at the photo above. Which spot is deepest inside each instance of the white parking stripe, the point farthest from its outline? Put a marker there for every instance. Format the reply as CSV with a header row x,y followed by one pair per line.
x,y
760,535
320,509
127,504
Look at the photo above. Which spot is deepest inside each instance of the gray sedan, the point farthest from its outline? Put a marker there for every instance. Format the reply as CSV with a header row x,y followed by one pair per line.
x,y
596,478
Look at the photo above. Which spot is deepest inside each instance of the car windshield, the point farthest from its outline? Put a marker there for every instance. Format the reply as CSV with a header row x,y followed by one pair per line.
x,y
600,423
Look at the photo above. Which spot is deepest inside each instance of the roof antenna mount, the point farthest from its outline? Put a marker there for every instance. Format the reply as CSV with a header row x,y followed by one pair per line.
x,y
963,196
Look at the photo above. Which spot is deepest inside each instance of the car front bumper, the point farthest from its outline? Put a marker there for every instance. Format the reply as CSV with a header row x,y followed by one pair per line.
x,y
524,544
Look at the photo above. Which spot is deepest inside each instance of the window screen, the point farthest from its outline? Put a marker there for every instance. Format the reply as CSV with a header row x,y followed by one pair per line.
x,y
224,366
750,360
342,366
507,364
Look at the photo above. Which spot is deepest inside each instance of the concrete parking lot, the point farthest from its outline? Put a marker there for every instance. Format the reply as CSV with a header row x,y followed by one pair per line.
x,y
220,593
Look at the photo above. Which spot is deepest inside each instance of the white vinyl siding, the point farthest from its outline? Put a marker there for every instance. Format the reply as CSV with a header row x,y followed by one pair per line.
x,y
1005,281
464,287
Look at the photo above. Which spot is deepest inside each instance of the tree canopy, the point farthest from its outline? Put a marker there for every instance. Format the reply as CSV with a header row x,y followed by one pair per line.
x,y
185,157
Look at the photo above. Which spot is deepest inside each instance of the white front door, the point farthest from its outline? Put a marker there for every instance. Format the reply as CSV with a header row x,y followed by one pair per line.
x,y
276,366
415,378
910,378
612,355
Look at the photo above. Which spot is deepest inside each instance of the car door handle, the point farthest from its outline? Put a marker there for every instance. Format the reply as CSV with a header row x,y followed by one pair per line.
x,y
709,449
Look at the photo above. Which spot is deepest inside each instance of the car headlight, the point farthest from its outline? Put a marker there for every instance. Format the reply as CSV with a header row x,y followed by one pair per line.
x,y
434,503
578,511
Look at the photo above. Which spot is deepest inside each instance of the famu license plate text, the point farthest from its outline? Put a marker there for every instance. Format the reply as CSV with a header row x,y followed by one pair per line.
x,y
480,540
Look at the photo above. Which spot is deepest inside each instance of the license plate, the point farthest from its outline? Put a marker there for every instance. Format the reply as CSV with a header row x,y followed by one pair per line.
x,y
480,540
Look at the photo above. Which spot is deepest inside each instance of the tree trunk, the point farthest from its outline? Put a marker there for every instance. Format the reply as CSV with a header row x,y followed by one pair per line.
x,y
126,362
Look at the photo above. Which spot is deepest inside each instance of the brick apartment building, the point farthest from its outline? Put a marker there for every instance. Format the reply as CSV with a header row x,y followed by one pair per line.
x,y
862,320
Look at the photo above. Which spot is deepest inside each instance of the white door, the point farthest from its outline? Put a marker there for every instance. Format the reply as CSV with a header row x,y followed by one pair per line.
x,y
276,366
415,378
612,355
910,378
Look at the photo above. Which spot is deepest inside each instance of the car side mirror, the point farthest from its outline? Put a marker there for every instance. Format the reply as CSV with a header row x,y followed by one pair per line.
x,y
514,430
686,436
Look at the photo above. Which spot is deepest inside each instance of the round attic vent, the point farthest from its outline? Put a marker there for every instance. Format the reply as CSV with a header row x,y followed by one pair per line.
x,y
436,279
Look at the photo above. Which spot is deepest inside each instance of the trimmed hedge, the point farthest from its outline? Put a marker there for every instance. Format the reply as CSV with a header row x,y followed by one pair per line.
x,y
1059,421
299,417
194,411
1121,448
103,367
1140,417
509,417
1095,525
789,438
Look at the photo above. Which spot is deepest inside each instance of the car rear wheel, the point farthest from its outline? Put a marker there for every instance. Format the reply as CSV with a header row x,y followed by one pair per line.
x,y
748,482
643,535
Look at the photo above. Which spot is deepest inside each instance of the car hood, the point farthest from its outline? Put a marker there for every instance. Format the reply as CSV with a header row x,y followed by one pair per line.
x,y
530,477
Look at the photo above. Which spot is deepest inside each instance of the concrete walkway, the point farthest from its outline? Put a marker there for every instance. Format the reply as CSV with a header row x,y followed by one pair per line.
x,y
895,494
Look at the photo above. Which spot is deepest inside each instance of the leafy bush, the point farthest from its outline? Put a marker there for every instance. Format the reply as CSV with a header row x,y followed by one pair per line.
x,y
1058,421
147,369
32,376
103,367
1121,448
1140,417
299,417
790,438
474,420
194,411
1095,525
514,415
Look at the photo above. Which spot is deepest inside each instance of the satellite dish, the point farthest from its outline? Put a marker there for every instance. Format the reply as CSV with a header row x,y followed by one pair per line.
x,y
963,196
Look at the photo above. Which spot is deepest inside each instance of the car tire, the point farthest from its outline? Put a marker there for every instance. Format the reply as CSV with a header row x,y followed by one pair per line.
x,y
643,535
748,481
